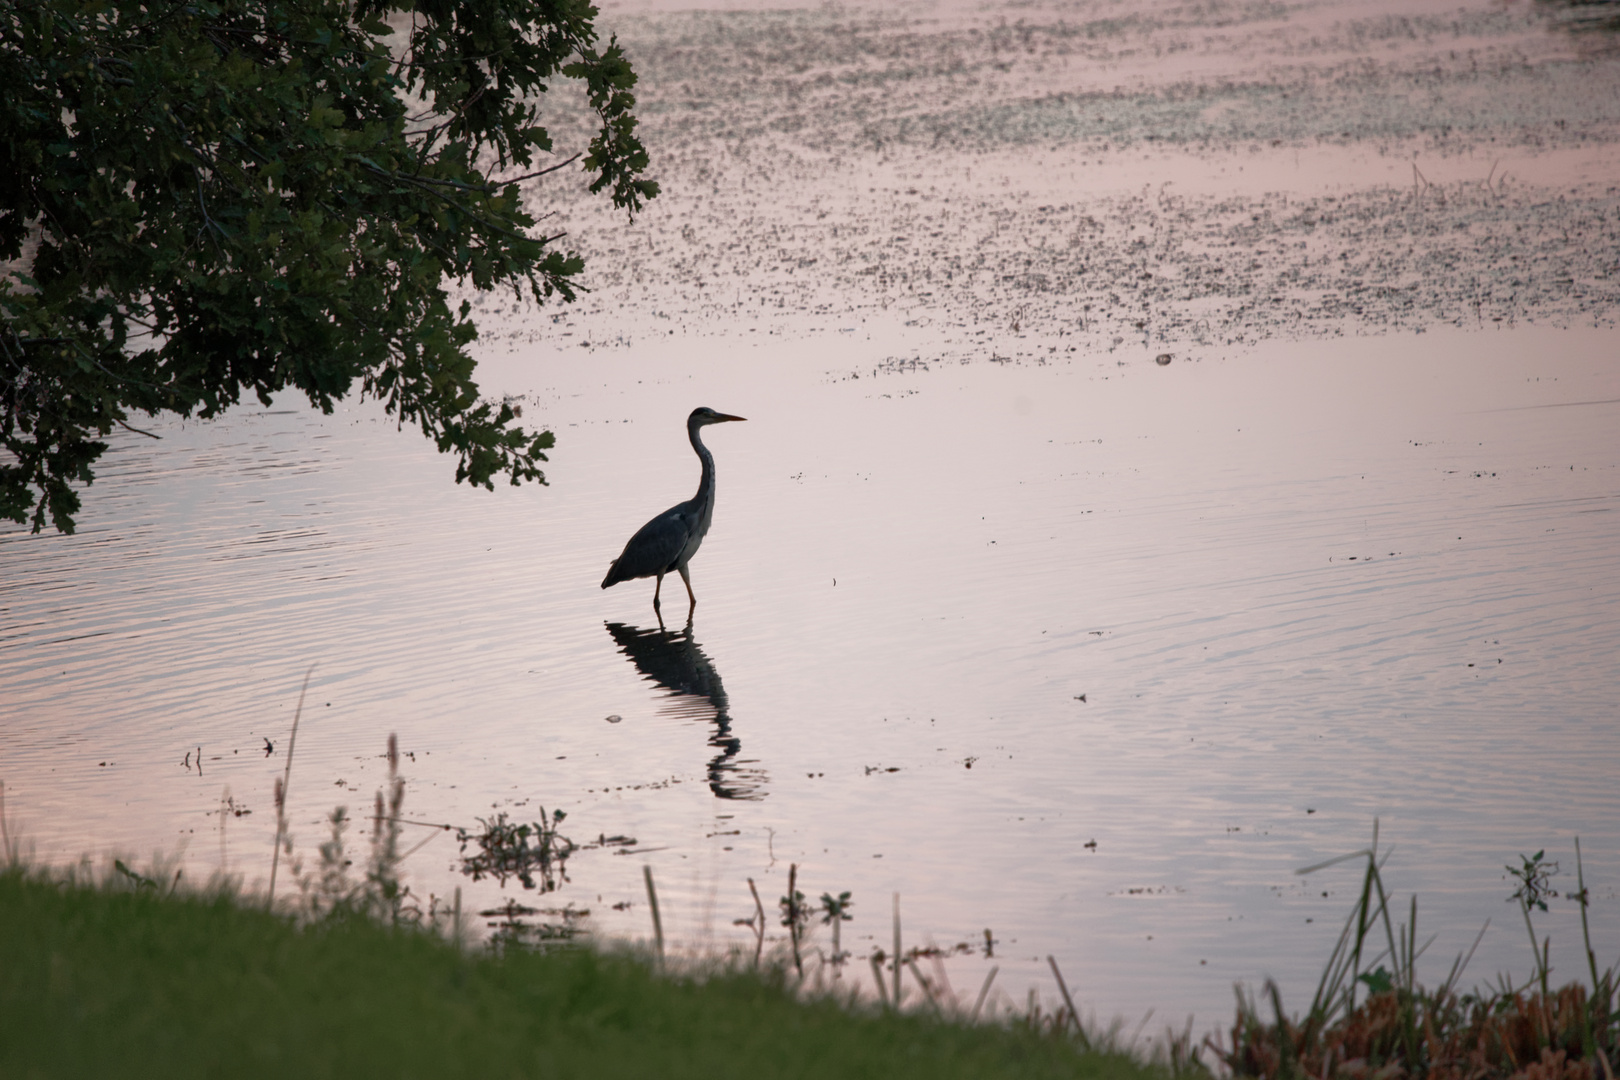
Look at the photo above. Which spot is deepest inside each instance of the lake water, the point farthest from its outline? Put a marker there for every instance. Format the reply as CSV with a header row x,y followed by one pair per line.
x,y
998,611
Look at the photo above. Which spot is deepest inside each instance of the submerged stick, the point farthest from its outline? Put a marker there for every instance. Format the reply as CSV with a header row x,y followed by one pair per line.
x,y
1063,988
224,812
5,834
927,987
759,924
793,916
658,925
281,791
1137,1034
984,991
897,950
942,981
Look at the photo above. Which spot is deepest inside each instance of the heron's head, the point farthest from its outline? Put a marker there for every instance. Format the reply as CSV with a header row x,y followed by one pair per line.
x,y
703,416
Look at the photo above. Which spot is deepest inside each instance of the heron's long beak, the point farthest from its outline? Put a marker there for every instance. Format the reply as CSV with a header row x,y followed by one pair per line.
x,y
727,416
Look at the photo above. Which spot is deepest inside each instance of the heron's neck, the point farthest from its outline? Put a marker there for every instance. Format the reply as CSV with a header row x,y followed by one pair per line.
x,y
706,483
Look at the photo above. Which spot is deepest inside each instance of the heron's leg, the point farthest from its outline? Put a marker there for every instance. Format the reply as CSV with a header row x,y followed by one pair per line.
x,y
656,589
689,595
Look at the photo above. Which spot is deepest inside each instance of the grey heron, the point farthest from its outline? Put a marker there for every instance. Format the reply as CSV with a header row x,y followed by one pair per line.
x,y
669,541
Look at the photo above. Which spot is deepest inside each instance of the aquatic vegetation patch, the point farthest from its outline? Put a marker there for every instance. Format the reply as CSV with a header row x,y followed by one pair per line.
x,y
505,849
1071,182
1372,1020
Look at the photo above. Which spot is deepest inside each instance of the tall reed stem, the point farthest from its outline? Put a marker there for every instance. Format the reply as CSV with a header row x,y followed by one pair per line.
x,y
281,792
658,924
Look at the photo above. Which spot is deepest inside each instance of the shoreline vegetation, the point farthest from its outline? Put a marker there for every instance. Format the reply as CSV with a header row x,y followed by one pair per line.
x,y
1370,1018
99,970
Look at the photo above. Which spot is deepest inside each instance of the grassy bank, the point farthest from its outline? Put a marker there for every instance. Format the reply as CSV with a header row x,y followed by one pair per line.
x,y
130,974
118,976
110,981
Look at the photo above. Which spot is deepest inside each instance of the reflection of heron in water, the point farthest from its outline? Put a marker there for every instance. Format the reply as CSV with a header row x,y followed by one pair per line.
x,y
674,661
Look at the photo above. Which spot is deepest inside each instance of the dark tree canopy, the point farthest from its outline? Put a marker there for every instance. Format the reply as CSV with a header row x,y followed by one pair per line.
x,y
201,198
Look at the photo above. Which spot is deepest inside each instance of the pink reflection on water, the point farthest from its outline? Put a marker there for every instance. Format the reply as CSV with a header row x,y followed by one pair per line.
x,y
1351,553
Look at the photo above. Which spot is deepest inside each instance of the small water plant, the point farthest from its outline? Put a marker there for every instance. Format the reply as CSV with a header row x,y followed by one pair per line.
x,y
535,853
1534,875
835,912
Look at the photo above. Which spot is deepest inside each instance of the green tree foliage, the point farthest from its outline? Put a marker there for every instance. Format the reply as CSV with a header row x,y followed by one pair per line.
x,y
201,198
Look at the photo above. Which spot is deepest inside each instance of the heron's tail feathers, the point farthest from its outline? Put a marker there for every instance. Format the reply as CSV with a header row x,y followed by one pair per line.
x,y
613,577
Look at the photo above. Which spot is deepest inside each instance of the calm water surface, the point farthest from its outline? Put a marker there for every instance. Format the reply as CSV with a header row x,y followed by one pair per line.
x,y
1093,653
997,613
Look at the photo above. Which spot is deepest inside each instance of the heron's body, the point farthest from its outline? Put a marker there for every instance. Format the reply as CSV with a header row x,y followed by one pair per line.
x,y
668,542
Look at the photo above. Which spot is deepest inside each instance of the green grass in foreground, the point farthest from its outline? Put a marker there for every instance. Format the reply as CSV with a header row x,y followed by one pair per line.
x,y
107,982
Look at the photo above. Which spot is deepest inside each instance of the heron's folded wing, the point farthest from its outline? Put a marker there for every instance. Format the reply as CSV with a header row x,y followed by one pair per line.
x,y
655,546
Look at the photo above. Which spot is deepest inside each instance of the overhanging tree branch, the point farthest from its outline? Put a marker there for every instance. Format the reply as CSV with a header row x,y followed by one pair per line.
x,y
279,129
